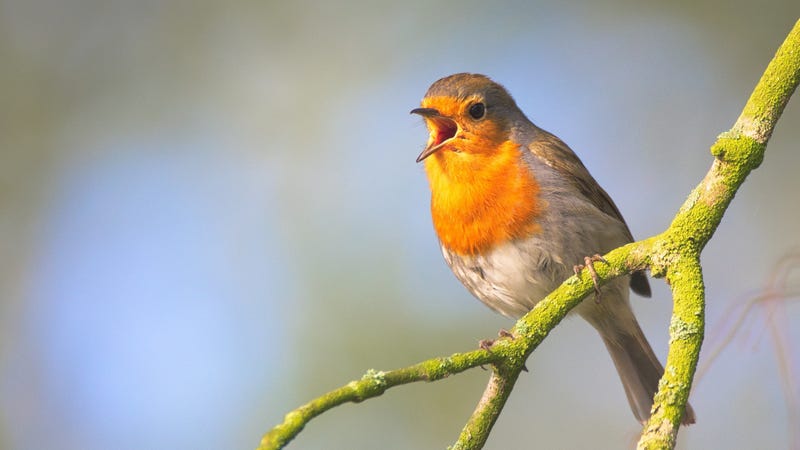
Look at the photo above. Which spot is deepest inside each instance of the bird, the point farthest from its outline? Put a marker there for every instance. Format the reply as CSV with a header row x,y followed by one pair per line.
x,y
516,212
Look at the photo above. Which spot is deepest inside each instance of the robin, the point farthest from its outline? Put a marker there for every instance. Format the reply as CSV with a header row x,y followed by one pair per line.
x,y
515,210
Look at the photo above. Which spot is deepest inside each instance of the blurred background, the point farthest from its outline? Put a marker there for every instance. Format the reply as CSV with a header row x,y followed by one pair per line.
x,y
210,213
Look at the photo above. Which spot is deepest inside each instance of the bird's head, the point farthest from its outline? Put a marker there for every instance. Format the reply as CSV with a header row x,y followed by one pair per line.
x,y
467,115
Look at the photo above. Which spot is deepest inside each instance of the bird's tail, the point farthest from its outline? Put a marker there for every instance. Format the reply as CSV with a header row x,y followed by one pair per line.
x,y
638,367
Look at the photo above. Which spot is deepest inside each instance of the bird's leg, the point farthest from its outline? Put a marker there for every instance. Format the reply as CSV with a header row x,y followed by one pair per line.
x,y
588,264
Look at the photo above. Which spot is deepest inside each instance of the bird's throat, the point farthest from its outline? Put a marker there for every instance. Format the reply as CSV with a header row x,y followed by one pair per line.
x,y
481,200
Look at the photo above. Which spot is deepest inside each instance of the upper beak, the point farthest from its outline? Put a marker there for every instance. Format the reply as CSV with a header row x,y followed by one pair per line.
x,y
425,112
442,129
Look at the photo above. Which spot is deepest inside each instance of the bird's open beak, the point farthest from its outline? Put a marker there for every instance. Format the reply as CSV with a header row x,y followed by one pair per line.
x,y
442,129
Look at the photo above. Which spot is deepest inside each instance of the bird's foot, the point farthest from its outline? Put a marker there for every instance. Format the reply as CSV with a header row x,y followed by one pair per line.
x,y
588,264
486,344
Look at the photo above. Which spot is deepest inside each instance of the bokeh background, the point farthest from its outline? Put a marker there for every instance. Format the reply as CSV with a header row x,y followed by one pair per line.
x,y
210,213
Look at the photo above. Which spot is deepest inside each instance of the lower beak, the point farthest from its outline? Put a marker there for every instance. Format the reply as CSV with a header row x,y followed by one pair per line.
x,y
442,130
431,149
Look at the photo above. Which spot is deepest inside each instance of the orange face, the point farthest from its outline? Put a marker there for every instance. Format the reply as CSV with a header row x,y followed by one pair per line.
x,y
482,192
460,125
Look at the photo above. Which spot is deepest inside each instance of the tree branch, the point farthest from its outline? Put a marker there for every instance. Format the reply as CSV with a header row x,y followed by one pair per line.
x,y
373,384
674,254
738,152
477,429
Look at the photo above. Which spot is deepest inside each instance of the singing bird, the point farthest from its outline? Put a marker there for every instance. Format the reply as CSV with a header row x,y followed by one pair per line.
x,y
515,210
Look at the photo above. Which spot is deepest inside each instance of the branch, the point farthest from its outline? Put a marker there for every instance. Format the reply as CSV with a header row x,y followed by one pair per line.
x,y
674,254
738,152
372,384
477,429
508,354
507,357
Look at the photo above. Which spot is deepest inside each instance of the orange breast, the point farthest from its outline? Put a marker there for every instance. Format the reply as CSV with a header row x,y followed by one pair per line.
x,y
480,200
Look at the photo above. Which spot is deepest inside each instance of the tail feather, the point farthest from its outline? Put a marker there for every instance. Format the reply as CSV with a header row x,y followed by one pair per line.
x,y
638,368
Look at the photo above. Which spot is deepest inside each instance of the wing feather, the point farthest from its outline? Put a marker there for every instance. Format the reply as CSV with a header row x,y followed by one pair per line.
x,y
555,153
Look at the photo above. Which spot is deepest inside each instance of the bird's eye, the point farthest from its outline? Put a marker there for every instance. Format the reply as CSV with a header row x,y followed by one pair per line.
x,y
477,111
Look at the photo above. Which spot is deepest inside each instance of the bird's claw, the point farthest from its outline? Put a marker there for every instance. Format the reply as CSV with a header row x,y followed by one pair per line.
x,y
486,344
505,333
588,264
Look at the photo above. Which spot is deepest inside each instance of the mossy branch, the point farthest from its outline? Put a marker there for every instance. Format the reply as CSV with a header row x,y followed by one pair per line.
x,y
674,254
737,153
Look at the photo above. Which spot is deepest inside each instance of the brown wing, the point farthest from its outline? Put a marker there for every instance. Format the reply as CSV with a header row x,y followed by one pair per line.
x,y
558,155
